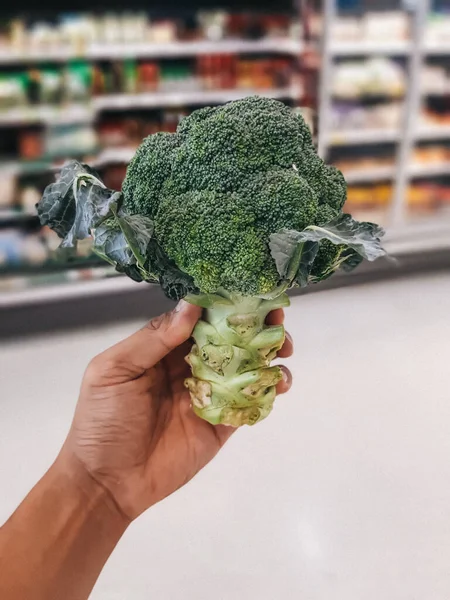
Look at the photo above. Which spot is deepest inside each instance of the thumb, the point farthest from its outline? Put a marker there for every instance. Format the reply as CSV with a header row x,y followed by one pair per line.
x,y
157,338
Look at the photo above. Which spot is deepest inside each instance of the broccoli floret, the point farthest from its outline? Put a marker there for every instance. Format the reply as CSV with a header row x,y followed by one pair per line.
x,y
213,237
280,198
147,172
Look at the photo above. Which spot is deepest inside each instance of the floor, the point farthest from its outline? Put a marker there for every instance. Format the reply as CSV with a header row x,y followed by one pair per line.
x,y
342,494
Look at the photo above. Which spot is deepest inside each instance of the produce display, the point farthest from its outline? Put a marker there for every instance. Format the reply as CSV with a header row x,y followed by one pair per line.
x,y
228,212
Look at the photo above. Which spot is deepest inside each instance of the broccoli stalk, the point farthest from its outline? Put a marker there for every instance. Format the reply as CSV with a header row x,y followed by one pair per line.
x,y
233,382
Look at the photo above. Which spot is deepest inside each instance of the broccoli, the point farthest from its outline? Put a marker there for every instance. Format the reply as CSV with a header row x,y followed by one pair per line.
x,y
229,212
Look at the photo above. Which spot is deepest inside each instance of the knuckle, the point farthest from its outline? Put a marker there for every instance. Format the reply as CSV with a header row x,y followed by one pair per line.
x,y
99,368
160,323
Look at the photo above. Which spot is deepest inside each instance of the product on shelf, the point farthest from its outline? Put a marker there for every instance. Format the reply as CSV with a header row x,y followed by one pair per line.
x,y
373,26
368,77
437,28
352,116
435,79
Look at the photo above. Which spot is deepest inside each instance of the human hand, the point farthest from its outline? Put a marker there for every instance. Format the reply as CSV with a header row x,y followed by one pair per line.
x,y
134,432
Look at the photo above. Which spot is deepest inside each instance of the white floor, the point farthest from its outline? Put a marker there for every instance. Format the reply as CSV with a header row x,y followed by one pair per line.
x,y
342,494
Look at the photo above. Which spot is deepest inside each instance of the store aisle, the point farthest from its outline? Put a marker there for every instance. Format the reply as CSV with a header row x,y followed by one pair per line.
x,y
342,494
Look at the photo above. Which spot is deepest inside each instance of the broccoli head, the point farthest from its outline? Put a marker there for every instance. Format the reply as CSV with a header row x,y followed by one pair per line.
x,y
223,183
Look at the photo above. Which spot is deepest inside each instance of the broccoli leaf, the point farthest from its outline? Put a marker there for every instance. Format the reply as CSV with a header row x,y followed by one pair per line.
x,y
363,238
58,206
123,240
309,253
76,203
293,259
294,251
352,260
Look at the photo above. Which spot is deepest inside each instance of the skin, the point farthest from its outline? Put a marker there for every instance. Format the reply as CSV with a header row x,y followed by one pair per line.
x,y
134,440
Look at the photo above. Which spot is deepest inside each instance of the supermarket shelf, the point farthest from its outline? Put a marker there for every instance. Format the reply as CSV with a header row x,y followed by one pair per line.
x,y
106,157
429,169
10,217
55,266
150,50
52,115
67,115
352,137
150,100
399,48
369,175
181,49
433,132
433,49
68,290
113,156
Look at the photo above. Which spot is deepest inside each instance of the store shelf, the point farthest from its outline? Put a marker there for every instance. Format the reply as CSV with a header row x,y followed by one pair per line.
x,y
433,132
11,216
437,49
429,169
68,290
370,48
158,99
52,115
185,49
352,137
176,49
369,175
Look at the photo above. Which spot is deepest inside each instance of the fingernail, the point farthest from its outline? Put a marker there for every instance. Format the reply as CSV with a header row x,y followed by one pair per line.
x,y
285,376
180,306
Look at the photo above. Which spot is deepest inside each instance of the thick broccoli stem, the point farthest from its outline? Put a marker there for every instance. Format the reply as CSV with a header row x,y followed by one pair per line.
x,y
232,381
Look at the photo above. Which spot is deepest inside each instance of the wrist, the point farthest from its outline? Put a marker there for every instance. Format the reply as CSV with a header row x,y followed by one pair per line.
x,y
71,476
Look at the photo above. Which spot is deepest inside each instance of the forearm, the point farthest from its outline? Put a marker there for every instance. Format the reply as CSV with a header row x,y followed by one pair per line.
x,y
56,543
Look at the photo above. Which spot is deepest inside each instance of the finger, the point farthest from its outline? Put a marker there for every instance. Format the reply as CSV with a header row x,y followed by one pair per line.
x,y
285,384
223,433
160,336
275,317
287,349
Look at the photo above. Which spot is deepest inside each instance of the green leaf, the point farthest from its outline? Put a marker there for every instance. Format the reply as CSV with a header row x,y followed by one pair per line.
x,y
363,238
293,259
57,208
75,204
294,252
352,260
308,254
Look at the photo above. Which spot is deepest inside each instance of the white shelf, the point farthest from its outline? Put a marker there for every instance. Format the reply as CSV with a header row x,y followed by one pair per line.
x,y
352,137
429,169
369,175
70,290
433,132
437,49
113,156
152,50
150,100
50,115
67,115
362,47
180,49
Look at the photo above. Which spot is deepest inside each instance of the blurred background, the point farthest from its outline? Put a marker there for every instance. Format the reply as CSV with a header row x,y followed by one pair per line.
x,y
343,493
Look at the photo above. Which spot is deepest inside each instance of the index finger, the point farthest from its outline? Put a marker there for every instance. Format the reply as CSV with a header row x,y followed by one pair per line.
x,y
275,317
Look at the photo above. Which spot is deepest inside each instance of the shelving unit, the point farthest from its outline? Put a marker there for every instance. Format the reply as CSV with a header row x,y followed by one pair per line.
x,y
413,130
152,103
176,49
